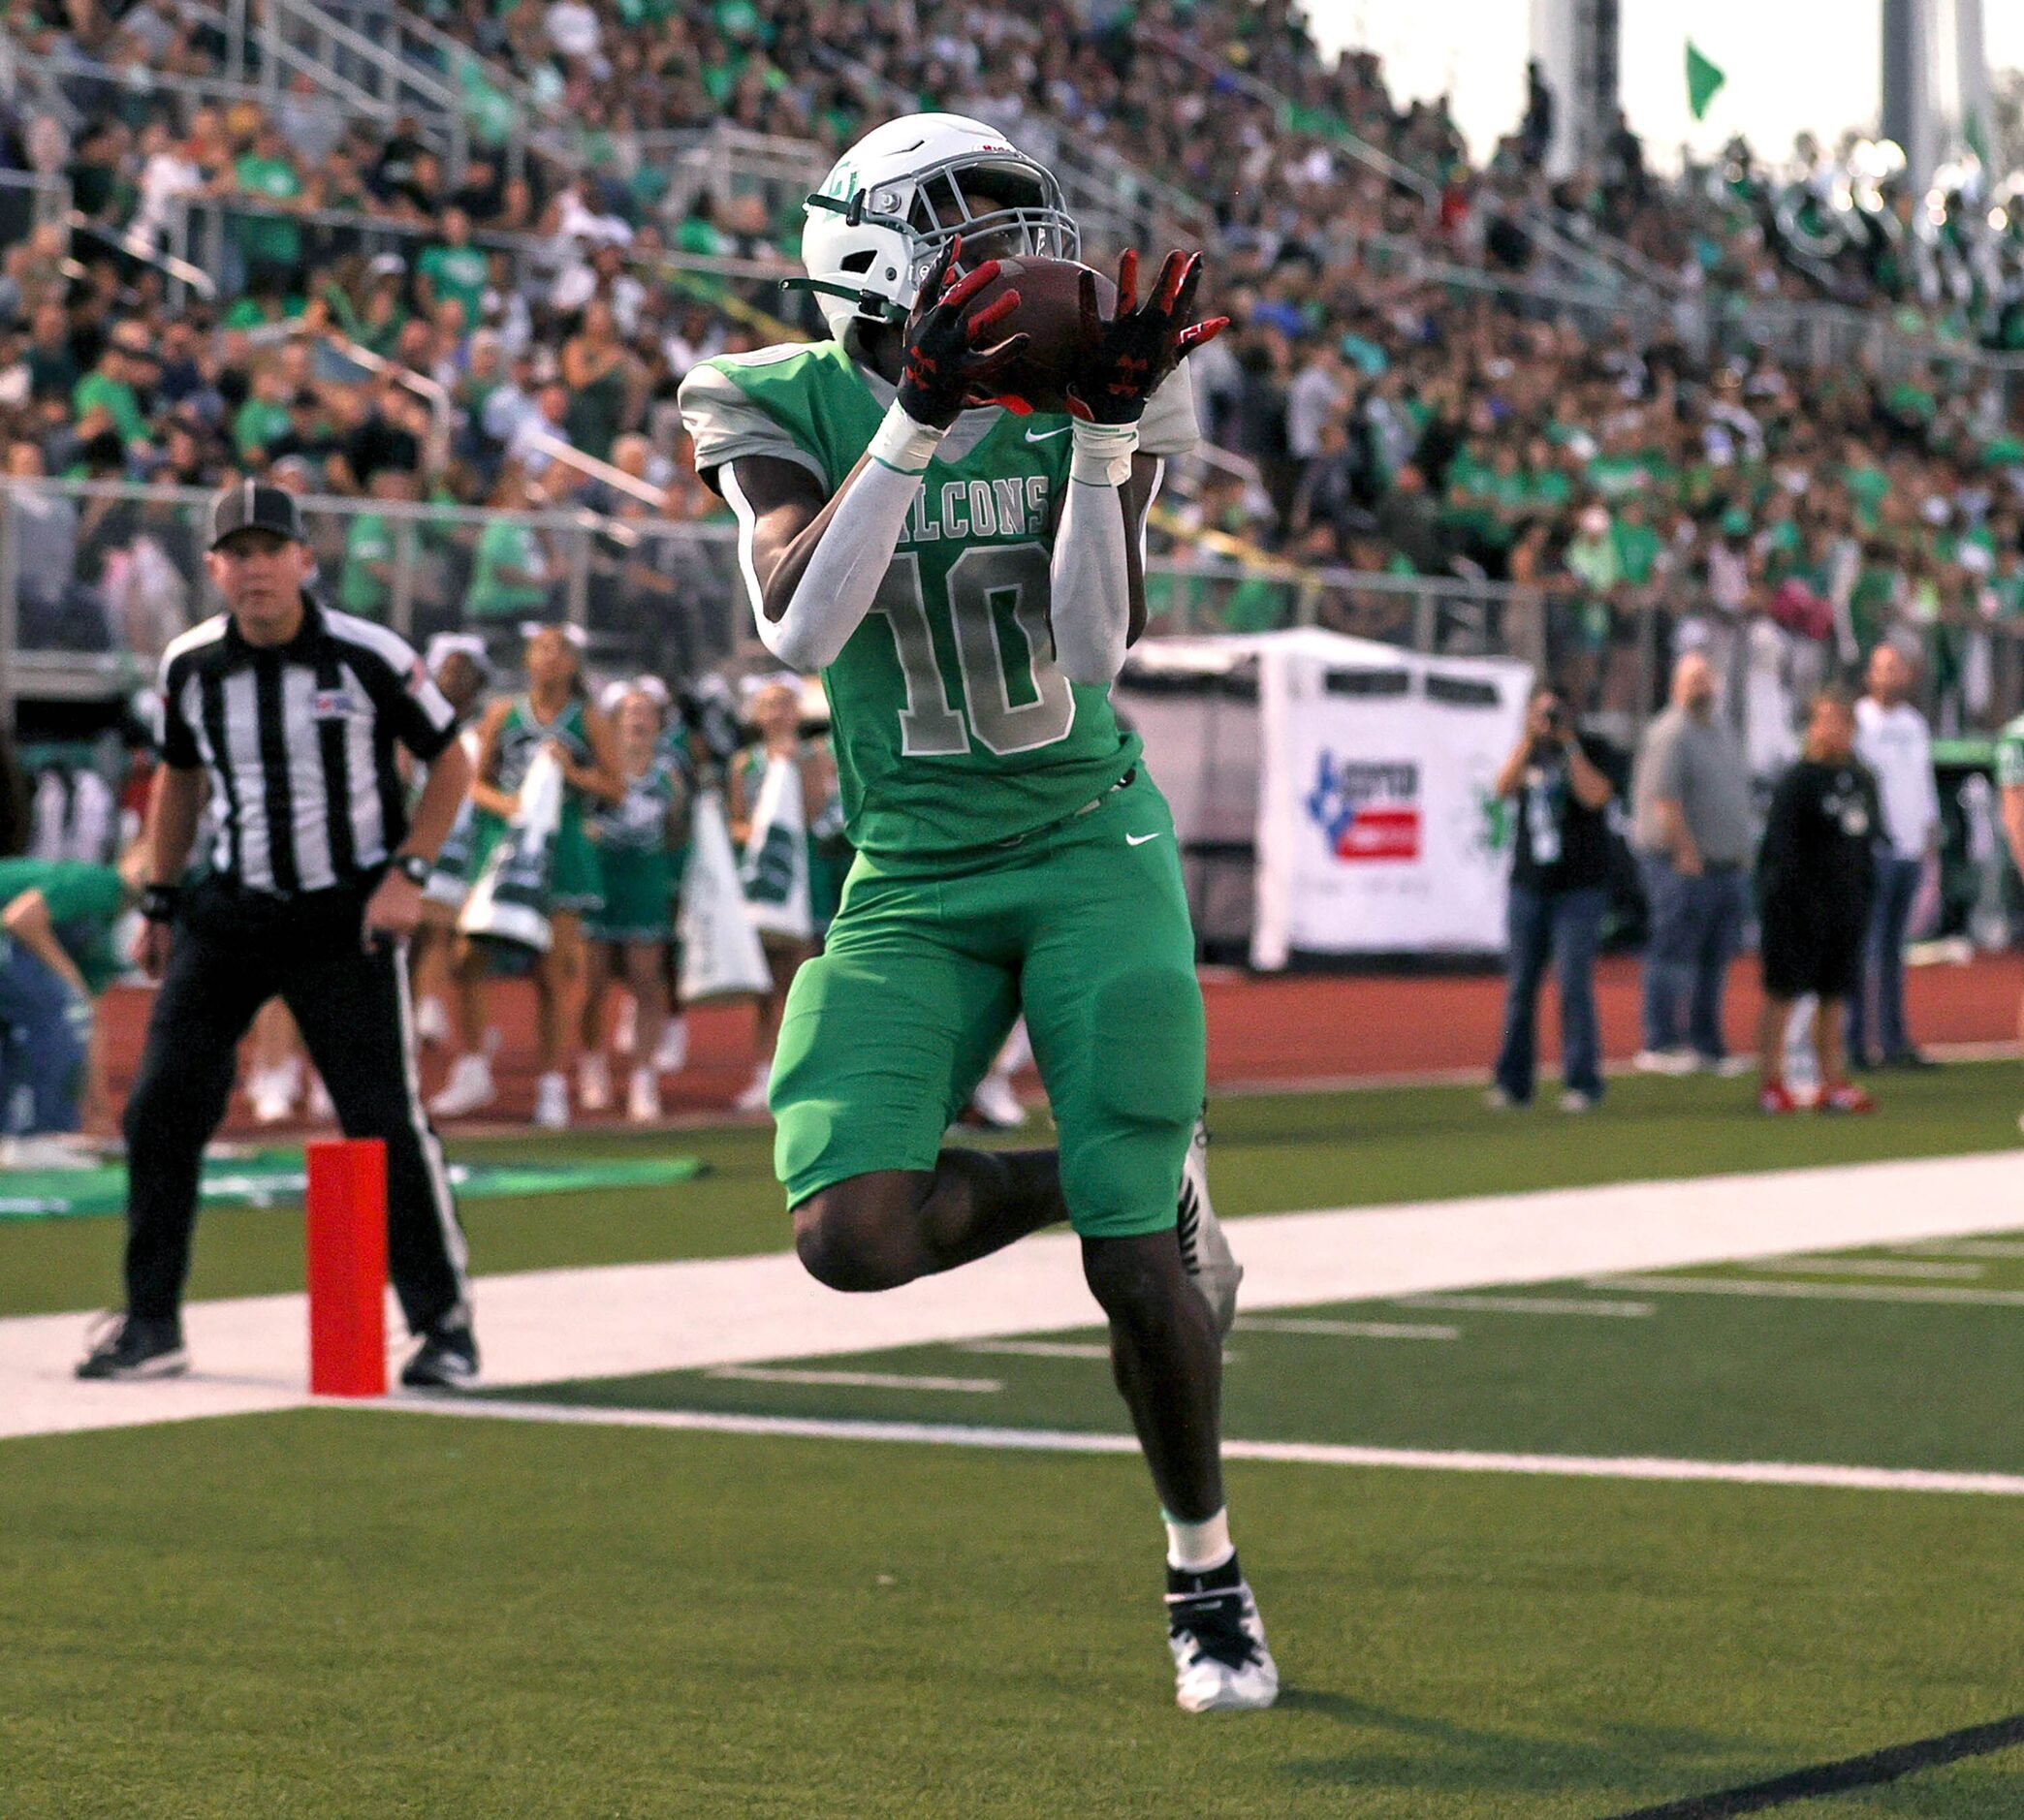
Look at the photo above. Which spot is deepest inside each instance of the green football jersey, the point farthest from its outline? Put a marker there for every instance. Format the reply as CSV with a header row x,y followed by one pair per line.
x,y
2009,755
952,727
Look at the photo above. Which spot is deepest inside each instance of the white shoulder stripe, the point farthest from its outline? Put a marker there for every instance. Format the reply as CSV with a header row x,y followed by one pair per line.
x,y
388,645
205,631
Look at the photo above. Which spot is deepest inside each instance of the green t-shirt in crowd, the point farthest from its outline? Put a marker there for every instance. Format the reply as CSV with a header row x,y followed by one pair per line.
x,y
269,237
84,902
458,271
505,544
258,423
359,591
1637,548
118,398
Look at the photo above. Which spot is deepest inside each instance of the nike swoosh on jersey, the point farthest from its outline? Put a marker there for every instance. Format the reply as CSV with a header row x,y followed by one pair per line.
x,y
1139,840
1043,435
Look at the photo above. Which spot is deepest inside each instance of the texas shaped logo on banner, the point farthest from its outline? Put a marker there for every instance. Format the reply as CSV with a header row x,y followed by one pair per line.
x,y
1367,811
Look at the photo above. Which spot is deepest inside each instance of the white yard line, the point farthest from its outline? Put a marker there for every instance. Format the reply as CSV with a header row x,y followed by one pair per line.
x,y
1966,1248
859,1380
1779,1289
1343,1330
1039,1348
1532,1305
542,1326
1288,1453
1872,1266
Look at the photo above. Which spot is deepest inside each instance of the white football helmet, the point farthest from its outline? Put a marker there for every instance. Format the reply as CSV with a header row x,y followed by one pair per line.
x,y
895,200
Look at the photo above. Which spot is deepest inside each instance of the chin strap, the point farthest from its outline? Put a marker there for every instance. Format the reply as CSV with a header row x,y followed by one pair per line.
x,y
869,303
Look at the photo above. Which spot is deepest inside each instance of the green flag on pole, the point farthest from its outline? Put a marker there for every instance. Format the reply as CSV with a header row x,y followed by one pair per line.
x,y
1703,81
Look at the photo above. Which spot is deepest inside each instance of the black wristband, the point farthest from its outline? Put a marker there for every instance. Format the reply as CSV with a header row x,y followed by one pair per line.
x,y
158,902
413,868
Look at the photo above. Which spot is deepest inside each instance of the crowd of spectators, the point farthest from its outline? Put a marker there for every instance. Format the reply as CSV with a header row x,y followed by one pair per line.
x,y
1778,516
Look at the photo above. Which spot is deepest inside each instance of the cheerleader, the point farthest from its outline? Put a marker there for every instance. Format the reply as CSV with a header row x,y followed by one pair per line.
x,y
782,809
554,713
639,844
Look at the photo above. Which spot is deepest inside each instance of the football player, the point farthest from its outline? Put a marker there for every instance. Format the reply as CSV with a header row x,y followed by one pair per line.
x,y
966,577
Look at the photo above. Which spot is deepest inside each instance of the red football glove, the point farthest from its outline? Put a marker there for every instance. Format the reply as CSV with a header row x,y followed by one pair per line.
x,y
948,365
1128,357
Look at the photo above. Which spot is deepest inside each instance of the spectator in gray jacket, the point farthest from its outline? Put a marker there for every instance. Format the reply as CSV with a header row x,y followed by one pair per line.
x,y
1691,828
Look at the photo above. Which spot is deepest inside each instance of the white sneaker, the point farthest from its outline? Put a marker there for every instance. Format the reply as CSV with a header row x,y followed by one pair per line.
x,y
432,1021
1205,1250
753,1098
625,1034
272,1092
49,1150
672,1057
594,1083
1663,1061
552,1101
996,1104
643,1102
468,1089
1725,1067
1499,1101
1220,1661
1573,1101
319,1106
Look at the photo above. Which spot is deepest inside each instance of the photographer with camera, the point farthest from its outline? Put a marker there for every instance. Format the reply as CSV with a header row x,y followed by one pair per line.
x,y
1559,890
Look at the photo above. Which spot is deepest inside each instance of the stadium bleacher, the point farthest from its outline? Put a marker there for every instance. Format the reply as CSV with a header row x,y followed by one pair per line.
x,y
1584,418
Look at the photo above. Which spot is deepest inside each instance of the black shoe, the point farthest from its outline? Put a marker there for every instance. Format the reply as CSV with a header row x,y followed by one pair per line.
x,y
1860,1064
136,1346
447,1360
1910,1059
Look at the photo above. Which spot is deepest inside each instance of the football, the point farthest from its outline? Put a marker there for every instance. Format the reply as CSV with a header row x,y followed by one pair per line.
x,y
1050,311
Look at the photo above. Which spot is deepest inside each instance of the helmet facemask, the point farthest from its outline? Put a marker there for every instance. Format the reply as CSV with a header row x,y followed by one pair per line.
x,y
1023,216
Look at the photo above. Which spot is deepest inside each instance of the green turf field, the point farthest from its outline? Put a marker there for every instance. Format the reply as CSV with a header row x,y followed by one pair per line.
x,y
379,1614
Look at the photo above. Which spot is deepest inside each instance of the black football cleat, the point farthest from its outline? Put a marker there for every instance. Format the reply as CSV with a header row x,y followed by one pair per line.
x,y
447,1360
135,1346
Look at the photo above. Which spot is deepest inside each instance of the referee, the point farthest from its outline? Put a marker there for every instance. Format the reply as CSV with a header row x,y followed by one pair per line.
x,y
288,715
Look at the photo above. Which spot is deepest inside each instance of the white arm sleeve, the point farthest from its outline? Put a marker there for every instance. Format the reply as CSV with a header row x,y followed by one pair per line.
x,y
837,587
1090,582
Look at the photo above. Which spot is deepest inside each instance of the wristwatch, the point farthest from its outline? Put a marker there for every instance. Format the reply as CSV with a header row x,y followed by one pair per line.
x,y
413,868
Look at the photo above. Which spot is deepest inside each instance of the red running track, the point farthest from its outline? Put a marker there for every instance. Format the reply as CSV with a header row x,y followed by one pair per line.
x,y
1299,1030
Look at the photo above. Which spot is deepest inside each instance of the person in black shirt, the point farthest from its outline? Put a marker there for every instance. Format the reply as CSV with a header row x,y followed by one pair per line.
x,y
1816,871
1559,890
289,717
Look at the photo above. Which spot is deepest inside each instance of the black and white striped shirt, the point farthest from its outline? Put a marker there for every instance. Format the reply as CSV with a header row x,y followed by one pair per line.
x,y
298,740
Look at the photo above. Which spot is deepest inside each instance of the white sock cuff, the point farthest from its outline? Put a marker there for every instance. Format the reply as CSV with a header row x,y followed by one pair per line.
x,y
1197,1548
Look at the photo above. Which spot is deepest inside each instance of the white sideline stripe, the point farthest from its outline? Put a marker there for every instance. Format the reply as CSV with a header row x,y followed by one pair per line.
x,y
1344,1330
1870,1266
1777,1288
858,1380
1287,1452
1966,1248
1040,1348
619,1320
1531,1304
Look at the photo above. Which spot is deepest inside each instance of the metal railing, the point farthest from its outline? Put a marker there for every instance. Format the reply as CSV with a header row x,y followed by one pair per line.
x,y
208,232
1114,200
392,48
96,576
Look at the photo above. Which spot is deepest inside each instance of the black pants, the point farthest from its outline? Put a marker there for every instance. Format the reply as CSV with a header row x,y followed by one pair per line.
x,y
232,953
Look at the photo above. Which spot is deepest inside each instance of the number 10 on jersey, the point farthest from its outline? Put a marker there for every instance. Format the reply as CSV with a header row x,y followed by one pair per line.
x,y
988,586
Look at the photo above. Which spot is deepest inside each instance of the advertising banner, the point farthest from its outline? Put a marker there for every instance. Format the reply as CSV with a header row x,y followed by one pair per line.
x,y
1379,829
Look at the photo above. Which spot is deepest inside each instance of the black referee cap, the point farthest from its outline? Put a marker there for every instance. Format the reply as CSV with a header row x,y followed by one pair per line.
x,y
248,506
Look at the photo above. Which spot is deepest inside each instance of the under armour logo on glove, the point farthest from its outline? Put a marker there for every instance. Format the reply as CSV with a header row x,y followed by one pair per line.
x,y
949,358
1128,357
